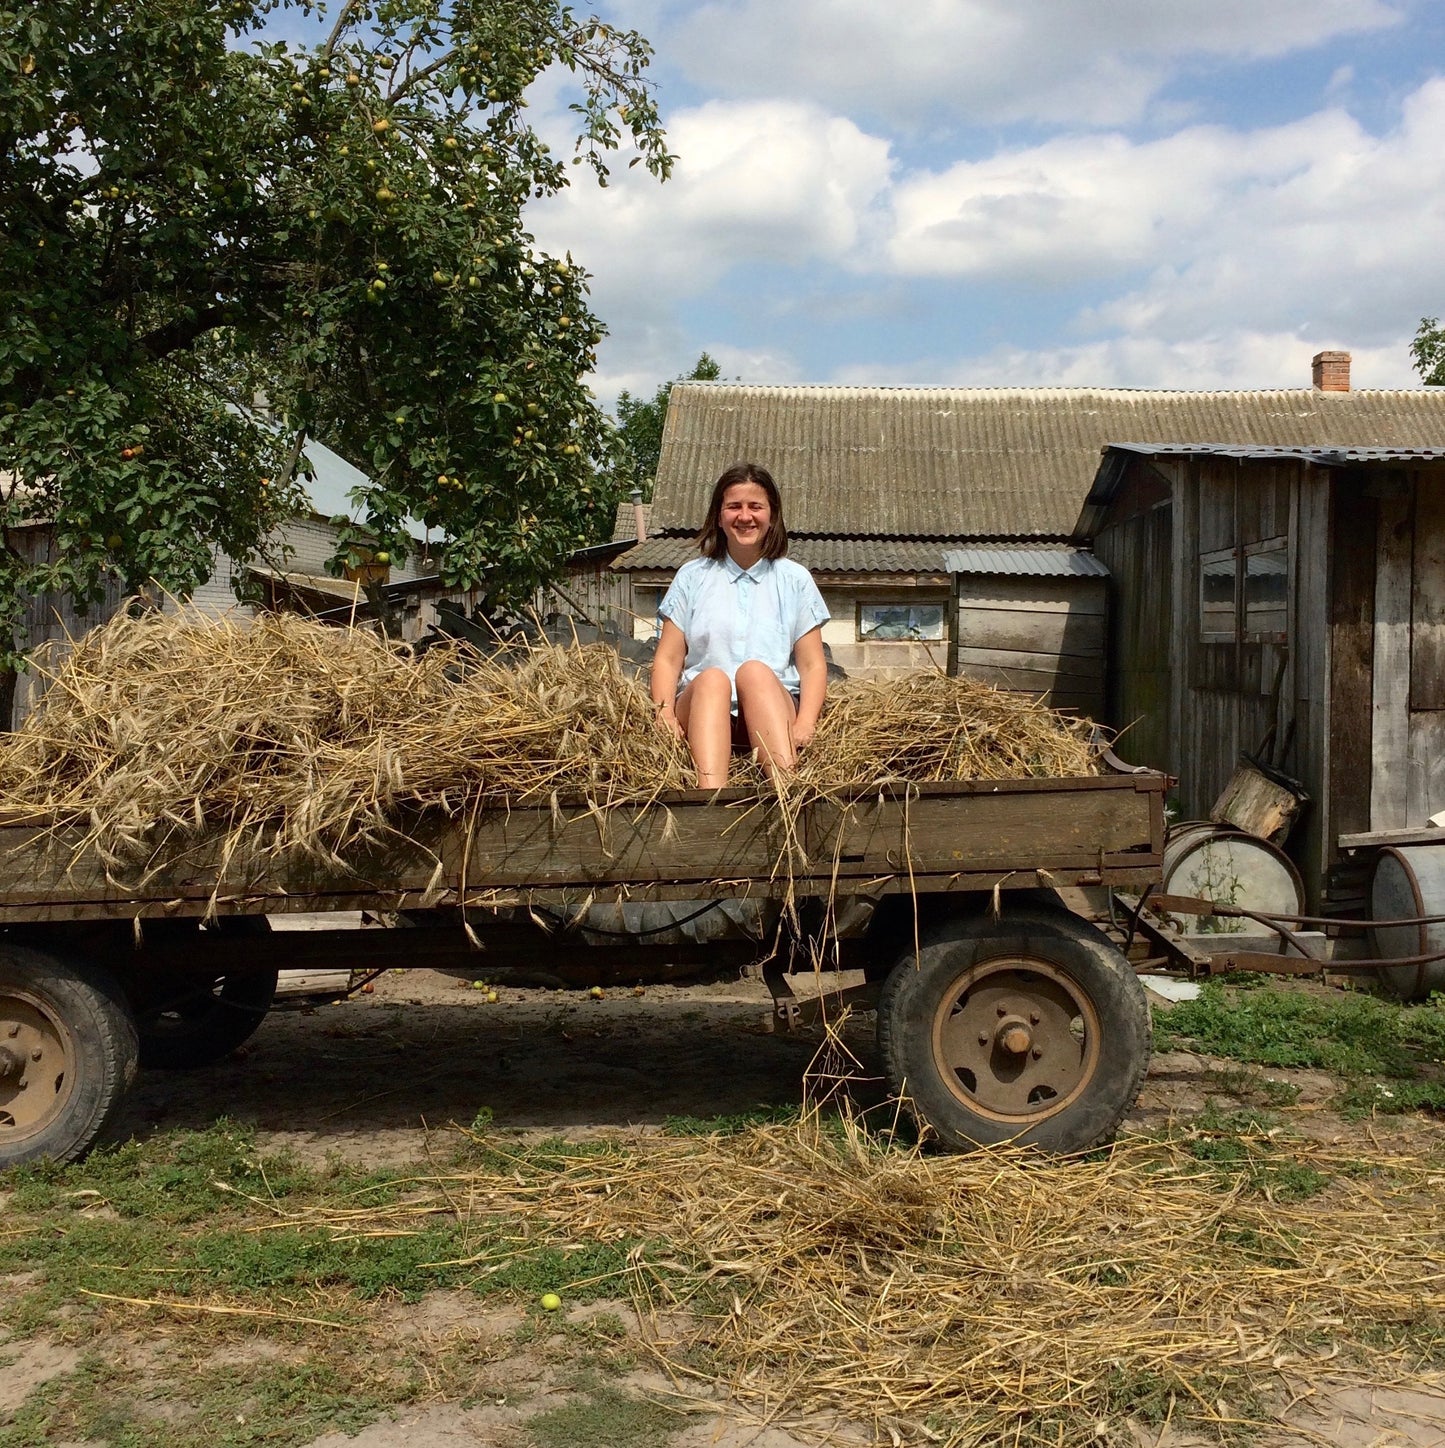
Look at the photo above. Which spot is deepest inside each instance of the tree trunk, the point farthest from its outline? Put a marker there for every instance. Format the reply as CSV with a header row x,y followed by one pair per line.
x,y
7,700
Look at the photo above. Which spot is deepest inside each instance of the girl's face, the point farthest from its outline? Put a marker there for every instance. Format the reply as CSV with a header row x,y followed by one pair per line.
x,y
745,516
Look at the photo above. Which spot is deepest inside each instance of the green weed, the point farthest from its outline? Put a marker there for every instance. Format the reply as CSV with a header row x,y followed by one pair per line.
x,y
605,1418
1247,1085
729,1125
279,1404
1353,1035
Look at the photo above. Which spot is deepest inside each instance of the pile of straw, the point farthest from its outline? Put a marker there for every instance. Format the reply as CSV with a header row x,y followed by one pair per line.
x,y
980,1299
158,725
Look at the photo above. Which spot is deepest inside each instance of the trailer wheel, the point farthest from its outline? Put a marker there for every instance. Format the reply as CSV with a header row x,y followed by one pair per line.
x,y
193,1020
1032,1029
68,1053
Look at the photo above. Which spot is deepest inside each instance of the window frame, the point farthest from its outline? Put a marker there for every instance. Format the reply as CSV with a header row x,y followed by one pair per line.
x,y
1239,556
941,604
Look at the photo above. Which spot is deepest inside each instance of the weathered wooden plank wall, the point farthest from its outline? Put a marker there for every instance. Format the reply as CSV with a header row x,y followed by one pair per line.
x,y
1137,549
1042,636
1425,767
1345,801
51,617
600,594
1390,690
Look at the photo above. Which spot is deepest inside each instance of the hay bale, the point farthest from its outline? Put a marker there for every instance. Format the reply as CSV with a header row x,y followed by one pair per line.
x,y
170,725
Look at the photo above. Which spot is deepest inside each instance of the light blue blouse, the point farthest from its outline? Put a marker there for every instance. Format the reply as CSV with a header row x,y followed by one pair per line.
x,y
729,615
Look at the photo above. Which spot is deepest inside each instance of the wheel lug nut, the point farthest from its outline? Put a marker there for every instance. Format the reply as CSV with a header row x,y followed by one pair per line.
x,y
21,1084
1003,1010
14,1031
1033,1018
983,1038
35,1055
1037,1053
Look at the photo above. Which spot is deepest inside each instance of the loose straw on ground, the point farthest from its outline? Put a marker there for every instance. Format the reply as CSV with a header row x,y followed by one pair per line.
x,y
161,728
980,1299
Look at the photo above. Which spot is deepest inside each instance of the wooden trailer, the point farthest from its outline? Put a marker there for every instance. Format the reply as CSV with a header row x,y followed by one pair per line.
x,y
1001,1014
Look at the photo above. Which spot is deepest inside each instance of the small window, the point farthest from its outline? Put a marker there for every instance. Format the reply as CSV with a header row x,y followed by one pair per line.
x,y
1266,592
1244,593
923,621
1218,620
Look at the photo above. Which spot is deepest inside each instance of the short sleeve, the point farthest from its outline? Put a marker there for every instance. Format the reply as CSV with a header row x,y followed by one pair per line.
x,y
809,610
677,601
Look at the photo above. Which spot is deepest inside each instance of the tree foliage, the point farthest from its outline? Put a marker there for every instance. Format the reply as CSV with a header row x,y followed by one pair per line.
x,y
640,422
193,210
1428,350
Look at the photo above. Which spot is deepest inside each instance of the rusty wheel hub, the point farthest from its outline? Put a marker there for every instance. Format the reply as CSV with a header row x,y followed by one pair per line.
x,y
1016,1039
36,1073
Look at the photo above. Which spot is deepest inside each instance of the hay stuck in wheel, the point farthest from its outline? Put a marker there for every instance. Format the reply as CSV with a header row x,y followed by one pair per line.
x,y
166,726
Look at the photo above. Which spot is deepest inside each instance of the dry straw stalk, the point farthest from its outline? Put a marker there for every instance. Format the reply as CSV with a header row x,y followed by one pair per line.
x,y
158,728
980,1299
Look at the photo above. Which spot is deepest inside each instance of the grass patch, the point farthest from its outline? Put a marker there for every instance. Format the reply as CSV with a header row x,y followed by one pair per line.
x,y
191,1216
605,1418
729,1125
282,1405
1359,1037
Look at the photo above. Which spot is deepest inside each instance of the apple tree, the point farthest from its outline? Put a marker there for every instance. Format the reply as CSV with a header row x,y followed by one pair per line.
x,y
197,210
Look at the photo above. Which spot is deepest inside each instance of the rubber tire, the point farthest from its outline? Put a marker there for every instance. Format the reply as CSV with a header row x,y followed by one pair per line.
x,y
912,995
92,1008
233,1016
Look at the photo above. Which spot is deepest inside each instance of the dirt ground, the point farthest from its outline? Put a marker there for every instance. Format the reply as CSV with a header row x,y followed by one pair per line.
x,y
382,1071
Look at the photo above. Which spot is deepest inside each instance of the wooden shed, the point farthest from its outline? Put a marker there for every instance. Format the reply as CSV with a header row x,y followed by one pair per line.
x,y
1288,602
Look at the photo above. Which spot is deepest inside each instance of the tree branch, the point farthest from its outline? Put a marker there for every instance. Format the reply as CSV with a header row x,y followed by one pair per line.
x,y
342,19
175,336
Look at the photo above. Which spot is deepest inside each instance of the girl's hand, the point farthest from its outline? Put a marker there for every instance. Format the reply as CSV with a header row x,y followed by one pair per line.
x,y
667,722
802,735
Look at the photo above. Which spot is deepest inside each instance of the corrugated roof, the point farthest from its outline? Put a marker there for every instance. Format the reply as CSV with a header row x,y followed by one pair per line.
x,y
817,555
1025,562
983,462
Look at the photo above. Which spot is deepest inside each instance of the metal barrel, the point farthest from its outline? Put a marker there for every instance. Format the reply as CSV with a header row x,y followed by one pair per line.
x,y
1216,862
1409,880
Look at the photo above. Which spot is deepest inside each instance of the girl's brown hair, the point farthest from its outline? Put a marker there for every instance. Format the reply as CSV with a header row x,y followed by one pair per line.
x,y
712,541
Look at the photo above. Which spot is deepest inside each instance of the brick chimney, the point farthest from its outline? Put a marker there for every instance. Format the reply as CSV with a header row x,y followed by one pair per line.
x,y
1331,371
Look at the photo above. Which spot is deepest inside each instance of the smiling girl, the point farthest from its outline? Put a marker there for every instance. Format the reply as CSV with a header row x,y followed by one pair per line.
x,y
739,664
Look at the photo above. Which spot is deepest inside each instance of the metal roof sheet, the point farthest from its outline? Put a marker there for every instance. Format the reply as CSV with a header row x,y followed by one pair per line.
x,y
1329,456
1026,562
817,555
983,462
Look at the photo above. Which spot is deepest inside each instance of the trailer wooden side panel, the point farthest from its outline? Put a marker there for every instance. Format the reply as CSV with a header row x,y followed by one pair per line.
x,y
1105,830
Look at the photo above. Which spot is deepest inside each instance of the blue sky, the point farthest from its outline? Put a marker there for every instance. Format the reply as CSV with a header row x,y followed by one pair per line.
x,y
1154,193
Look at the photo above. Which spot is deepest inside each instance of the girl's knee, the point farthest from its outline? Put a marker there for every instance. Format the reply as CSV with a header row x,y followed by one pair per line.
x,y
712,681
755,674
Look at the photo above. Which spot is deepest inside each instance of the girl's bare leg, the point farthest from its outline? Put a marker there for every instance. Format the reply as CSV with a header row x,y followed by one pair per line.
x,y
704,709
768,711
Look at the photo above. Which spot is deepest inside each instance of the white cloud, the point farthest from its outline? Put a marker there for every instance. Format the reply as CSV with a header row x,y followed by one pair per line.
x,y
1316,225
1075,62
773,182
